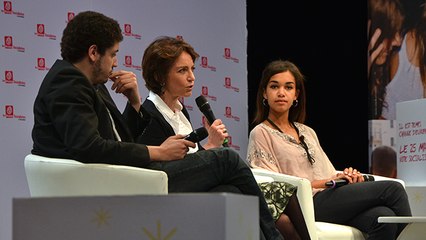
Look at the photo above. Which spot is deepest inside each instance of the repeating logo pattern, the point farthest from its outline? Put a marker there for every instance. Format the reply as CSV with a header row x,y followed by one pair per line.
x,y
41,64
41,32
205,64
227,55
8,10
9,112
9,79
128,32
228,84
8,44
128,62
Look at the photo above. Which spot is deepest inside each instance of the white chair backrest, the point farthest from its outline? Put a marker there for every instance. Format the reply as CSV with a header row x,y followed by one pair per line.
x,y
64,177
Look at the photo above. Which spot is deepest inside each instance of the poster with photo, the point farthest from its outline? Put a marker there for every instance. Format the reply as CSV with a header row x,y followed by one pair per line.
x,y
396,54
396,58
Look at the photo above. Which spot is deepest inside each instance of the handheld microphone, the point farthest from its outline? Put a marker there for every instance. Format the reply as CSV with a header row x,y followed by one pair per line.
x,y
205,108
197,135
340,182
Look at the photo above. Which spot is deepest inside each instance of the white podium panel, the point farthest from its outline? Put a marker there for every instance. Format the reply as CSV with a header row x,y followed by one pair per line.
x,y
411,141
207,216
415,230
417,199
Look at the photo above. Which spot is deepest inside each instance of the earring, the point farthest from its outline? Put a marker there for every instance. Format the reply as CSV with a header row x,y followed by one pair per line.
x,y
162,88
295,103
265,102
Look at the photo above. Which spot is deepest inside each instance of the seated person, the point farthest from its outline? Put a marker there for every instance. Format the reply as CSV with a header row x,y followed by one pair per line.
x,y
76,118
281,142
383,161
168,70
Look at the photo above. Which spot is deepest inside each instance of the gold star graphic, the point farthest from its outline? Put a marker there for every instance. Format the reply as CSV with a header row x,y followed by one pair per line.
x,y
159,233
101,217
418,197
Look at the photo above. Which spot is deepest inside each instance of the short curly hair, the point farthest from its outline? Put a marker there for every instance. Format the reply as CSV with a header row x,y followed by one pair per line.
x,y
159,58
86,29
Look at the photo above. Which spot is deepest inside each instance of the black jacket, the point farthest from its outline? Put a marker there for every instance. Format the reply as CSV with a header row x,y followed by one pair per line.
x,y
71,121
158,129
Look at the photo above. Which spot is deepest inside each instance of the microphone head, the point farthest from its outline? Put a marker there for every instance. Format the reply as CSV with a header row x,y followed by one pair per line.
x,y
368,178
204,107
202,103
197,135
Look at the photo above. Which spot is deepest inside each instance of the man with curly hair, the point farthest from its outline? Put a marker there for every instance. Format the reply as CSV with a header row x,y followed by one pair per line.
x,y
76,118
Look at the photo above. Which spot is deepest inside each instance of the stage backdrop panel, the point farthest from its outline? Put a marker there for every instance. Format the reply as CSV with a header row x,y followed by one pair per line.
x,y
30,33
411,141
411,151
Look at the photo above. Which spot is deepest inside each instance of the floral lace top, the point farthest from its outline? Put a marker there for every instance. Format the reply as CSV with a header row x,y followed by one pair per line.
x,y
275,151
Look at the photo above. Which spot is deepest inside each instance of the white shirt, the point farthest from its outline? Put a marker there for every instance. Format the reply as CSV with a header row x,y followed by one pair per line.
x,y
174,117
406,84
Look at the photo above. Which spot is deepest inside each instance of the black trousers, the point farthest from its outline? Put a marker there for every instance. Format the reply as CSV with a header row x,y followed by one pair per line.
x,y
360,204
217,170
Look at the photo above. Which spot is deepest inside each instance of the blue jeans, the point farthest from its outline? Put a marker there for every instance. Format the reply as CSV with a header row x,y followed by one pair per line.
x,y
210,170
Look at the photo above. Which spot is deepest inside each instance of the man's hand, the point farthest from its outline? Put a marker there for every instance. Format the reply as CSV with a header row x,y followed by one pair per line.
x,y
173,148
126,83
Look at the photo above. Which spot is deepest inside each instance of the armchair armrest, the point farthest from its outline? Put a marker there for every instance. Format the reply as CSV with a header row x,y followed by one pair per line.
x,y
382,178
304,194
66,177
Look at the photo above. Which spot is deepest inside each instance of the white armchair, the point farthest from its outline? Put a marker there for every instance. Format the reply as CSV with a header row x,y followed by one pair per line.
x,y
317,230
65,177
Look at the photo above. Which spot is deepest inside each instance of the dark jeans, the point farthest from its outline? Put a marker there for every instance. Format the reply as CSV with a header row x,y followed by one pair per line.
x,y
360,204
210,170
